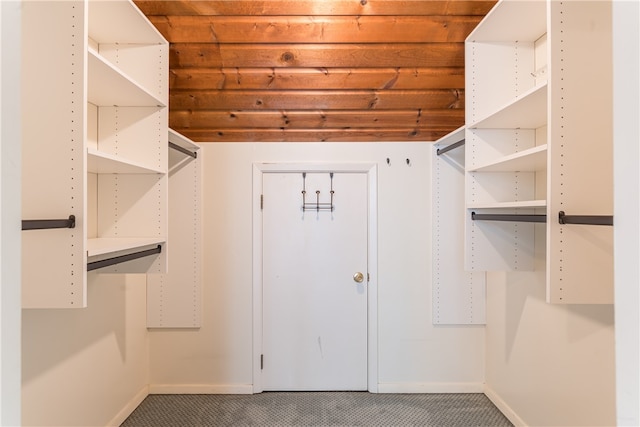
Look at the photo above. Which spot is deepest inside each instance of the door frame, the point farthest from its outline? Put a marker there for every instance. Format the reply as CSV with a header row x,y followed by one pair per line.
x,y
370,169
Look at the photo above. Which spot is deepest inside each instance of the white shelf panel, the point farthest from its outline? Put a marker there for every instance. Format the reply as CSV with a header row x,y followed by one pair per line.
x,y
512,20
104,246
185,142
508,205
117,21
528,111
99,162
452,137
108,86
531,160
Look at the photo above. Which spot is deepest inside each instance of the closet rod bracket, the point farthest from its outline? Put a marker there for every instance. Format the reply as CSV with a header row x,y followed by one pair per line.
x,y
44,224
585,219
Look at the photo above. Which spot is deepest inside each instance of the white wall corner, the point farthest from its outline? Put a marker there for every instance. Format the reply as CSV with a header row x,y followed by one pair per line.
x,y
129,407
504,407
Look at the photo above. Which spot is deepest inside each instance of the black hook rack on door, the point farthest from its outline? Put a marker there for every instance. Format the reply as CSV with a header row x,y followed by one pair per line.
x,y
317,206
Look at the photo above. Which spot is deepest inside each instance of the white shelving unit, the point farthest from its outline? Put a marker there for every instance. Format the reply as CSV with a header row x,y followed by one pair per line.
x,y
538,141
458,296
95,95
174,299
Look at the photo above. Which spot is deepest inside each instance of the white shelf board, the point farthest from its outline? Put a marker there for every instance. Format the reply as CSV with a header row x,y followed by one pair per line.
x,y
531,160
108,86
452,137
512,20
116,21
508,205
182,141
527,111
100,162
103,246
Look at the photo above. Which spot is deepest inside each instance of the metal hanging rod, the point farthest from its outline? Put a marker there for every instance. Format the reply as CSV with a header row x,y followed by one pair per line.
x,y
585,219
508,217
450,147
183,150
122,258
43,224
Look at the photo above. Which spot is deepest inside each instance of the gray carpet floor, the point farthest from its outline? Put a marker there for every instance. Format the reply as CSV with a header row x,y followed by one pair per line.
x,y
317,409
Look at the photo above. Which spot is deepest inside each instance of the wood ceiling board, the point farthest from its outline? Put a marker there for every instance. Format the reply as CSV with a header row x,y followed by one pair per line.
x,y
315,7
334,70
316,78
208,119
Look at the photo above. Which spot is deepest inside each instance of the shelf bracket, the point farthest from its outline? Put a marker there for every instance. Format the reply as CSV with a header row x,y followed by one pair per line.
x,y
183,150
585,219
508,217
43,224
122,258
440,151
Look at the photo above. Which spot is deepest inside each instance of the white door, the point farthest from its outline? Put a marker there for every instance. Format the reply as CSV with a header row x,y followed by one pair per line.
x,y
314,309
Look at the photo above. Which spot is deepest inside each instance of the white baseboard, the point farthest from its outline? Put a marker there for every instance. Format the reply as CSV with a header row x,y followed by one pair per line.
x,y
430,387
200,389
503,407
129,407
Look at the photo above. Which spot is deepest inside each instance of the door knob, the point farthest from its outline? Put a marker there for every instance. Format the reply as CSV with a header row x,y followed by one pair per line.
x,y
358,277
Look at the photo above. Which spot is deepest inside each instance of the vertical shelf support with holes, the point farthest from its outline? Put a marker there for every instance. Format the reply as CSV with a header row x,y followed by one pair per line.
x,y
174,298
95,109
536,146
458,296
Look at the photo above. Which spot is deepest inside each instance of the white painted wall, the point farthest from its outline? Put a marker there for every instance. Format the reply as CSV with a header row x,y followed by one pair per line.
x,y
547,364
626,131
10,213
87,367
414,355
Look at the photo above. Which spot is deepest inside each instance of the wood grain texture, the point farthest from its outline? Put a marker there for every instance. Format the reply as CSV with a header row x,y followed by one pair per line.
x,y
314,29
316,78
316,99
308,70
295,119
315,7
213,55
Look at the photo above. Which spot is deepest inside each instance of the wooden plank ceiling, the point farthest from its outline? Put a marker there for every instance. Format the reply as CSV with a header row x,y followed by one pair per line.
x,y
316,70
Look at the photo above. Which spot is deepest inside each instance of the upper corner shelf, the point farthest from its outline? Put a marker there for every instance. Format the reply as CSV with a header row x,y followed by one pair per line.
x,y
521,204
527,111
512,20
108,86
531,160
182,141
115,21
100,162
452,137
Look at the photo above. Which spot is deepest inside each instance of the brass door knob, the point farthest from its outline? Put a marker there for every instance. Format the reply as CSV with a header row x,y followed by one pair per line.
x,y
358,277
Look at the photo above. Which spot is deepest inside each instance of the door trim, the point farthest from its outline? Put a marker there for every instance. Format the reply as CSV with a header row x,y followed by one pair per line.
x,y
372,292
